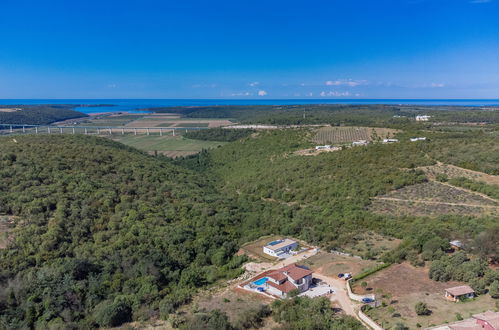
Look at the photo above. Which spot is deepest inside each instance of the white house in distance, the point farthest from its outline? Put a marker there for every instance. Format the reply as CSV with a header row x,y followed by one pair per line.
x,y
284,280
279,247
390,140
418,139
324,147
423,118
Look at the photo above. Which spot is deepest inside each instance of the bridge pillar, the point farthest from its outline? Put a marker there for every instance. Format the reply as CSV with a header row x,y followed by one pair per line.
x,y
85,131
48,129
174,132
122,131
110,132
73,130
98,131
134,131
36,129
147,130
160,132
11,129
24,130
61,130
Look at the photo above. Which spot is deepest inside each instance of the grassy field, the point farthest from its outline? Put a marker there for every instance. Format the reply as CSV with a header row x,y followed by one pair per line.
x,y
110,120
330,264
370,244
171,146
341,135
401,286
433,199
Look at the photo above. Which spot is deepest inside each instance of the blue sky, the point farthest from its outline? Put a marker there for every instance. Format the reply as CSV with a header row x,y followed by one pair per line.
x,y
249,49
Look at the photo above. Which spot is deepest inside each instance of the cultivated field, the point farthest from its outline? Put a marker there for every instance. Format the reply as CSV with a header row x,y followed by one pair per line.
x,y
339,135
108,120
401,286
432,199
454,172
168,120
330,264
171,146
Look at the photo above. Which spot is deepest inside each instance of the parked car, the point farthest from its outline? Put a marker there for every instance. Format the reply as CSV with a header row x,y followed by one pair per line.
x,y
367,300
340,275
347,276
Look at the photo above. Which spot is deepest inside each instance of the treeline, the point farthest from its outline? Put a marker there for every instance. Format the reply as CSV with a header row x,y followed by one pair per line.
x,y
397,116
219,134
106,234
38,114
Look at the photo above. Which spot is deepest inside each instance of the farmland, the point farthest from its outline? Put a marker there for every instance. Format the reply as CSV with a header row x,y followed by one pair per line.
x,y
432,199
330,264
171,146
370,245
340,135
401,286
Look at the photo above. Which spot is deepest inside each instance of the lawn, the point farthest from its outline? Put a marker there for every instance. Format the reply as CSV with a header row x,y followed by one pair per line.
x,y
401,286
172,146
330,264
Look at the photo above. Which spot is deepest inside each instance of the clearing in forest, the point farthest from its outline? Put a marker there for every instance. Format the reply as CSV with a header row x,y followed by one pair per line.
x,y
400,286
433,199
452,171
339,135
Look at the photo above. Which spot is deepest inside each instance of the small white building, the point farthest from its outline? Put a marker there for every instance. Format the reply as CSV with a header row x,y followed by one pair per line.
x,y
390,140
360,143
276,248
418,139
423,118
324,147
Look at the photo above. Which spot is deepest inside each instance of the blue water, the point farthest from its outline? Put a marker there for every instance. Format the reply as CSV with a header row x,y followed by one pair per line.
x,y
275,242
133,105
261,281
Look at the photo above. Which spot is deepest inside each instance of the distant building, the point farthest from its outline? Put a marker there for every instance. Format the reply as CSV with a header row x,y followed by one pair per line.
x,y
418,139
360,143
279,247
423,118
325,147
488,320
390,140
458,292
284,280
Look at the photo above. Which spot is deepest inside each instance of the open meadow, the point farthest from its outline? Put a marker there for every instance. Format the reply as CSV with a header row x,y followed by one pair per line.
x,y
401,286
171,146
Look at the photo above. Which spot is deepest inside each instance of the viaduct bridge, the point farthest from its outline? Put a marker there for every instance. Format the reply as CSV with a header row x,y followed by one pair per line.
x,y
95,130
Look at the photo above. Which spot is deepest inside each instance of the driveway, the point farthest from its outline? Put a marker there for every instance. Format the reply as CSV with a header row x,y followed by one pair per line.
x,y
340,295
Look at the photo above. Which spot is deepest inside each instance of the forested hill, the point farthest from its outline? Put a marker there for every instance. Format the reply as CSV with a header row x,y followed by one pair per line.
x,y
37,114
104,233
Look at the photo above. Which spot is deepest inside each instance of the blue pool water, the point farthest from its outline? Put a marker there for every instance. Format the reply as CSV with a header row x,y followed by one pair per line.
x,y
261,281
275,242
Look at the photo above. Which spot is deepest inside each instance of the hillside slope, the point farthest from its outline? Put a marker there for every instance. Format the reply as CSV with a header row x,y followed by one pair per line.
x,y
105,233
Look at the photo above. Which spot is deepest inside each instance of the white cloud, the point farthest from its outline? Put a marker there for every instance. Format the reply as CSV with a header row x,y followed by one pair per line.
x,y
204,85
335,94
262,93
241,94
480,1
111,86
345,82
254,83
437,85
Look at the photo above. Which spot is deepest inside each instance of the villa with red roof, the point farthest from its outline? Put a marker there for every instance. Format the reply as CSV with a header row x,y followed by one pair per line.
x,y
282,281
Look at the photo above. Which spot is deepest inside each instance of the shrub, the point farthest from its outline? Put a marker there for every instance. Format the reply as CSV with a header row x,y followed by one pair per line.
x,y
112,314
494,289
422,309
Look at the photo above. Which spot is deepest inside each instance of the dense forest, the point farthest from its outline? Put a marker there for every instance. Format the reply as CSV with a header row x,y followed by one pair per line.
x,y
106,234
38,114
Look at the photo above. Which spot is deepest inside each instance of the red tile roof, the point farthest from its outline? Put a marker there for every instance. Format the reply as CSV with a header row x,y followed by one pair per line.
x,y
295,272
490,317
284,287
460,290
278,276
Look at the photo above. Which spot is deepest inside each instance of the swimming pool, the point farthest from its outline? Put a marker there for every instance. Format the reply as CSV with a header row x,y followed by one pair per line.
x,y
261,281
275,242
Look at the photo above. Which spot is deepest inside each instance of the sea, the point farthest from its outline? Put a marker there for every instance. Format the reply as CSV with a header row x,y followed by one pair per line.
x,y
135,105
